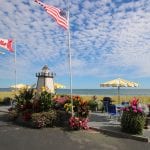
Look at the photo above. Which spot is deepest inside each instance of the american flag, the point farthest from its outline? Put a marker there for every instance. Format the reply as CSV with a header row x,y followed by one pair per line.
x,y
56,13
6,44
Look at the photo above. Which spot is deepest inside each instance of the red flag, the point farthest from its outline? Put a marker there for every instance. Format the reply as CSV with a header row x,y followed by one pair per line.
x,y
56,13
7,44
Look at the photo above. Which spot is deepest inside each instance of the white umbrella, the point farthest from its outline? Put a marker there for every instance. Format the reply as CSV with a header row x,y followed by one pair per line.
x,y
58,86
20,86
119,83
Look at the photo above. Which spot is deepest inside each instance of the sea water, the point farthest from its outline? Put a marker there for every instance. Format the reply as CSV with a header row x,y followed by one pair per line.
x,y
106,92
103,92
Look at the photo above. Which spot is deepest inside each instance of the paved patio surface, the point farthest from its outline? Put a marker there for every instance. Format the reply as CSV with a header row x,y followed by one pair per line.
x,y
103,123
97,121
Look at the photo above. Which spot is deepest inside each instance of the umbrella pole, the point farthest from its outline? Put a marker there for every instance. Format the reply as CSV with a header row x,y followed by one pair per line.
x,y
119,94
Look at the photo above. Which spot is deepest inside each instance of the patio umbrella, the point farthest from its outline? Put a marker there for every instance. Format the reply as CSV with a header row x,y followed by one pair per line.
x,y
119,83
20,86
58,86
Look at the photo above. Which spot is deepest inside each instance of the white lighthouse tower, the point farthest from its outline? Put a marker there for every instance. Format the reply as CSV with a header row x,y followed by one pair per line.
x,y
45,79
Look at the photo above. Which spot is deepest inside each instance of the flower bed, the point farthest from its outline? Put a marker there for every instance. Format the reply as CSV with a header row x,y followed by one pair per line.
x,y
49,110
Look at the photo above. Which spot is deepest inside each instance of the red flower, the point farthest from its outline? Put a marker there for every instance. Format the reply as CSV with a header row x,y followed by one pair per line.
x,y
134,101
78,123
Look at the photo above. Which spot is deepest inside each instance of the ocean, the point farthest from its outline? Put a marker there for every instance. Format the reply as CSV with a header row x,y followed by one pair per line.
x,y
103,92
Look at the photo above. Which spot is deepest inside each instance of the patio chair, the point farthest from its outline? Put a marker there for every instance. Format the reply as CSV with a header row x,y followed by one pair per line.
x,y
125,103
112,111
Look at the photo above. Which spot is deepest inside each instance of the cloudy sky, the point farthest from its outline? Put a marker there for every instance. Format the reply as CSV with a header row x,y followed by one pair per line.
x,y
109,39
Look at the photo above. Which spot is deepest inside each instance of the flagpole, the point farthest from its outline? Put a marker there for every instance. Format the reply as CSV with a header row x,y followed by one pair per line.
x,y
70,58
15,68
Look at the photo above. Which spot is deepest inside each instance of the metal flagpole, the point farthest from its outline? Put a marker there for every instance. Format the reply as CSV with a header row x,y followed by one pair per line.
x,y
15,68
70,58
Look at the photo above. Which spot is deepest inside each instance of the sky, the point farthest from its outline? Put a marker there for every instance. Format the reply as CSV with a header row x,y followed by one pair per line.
x,y
108,39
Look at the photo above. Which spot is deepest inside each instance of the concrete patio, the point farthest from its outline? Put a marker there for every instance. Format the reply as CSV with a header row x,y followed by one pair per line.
x,y
98,121
111,126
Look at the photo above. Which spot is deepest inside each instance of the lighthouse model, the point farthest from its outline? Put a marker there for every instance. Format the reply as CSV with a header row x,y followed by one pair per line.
x,y
45,79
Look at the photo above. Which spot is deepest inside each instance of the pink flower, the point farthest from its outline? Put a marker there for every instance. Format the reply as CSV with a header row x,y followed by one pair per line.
x,y
61,100
139,110
79,123
133,107
134,101
135,110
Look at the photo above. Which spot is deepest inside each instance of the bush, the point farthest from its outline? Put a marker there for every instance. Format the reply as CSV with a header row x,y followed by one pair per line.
x,y
45,101
6,101
59,101
62,118
83,110
24,96
12,115
133,118
132,123
43,119
77,123
48,110
92,105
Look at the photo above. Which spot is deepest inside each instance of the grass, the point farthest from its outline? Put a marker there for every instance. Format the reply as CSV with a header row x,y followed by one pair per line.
x,y
6,94
143,99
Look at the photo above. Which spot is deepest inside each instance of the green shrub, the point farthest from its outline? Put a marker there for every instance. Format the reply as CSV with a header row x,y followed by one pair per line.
x,y
83,110
12,115
132,122
45,101
6,101
43,119
92,105
25,95
62,118
133,118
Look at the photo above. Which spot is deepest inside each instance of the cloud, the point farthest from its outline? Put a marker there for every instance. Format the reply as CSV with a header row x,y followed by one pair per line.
x,y
104,35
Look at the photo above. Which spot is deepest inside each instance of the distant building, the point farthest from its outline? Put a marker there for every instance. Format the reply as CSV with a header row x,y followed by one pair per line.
x,y
45,79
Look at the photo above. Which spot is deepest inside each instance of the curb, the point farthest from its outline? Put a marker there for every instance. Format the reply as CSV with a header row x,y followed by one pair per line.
x,y
4,111
121,134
